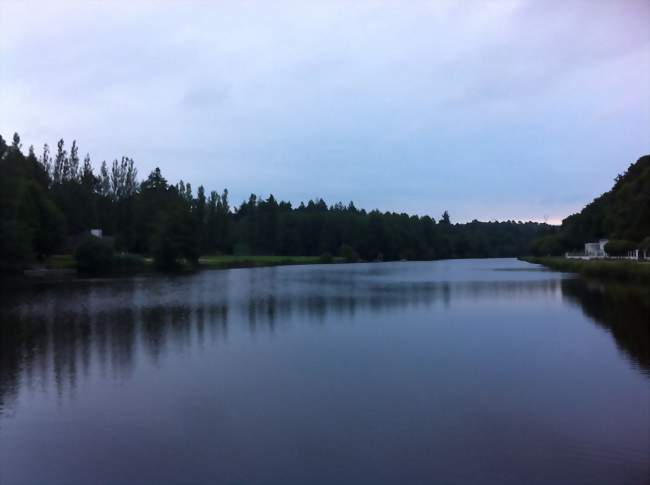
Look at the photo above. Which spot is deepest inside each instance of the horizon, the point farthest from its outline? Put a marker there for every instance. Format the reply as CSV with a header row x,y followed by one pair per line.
x,y
502,99
330,204
294,204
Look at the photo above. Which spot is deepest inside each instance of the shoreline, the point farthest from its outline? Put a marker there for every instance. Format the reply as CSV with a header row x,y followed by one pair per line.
x,y
260,261
624,271
64,266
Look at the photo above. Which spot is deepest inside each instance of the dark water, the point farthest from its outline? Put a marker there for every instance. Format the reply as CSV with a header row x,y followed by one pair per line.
x,y
475,371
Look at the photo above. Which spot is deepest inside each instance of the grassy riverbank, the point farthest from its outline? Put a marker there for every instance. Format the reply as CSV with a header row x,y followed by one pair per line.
x,y
629,271
232,261
61,261
64,263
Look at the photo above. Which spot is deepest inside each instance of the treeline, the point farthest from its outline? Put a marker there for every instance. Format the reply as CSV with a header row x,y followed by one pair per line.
x,y
48,202
621,214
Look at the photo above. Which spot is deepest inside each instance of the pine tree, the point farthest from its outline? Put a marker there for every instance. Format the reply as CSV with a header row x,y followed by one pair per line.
x,y
212,229
15,143
88,179
104,181
123,179
223,212
116,180
73,163
130,177
46,161
59,163
3,147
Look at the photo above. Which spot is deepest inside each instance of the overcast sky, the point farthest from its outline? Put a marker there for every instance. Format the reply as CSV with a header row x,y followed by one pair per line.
x,y
489,109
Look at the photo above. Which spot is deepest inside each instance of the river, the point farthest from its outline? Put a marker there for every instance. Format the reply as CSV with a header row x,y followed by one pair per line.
x,y
460,371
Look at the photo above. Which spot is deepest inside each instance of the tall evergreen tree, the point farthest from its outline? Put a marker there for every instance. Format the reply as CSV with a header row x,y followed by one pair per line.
x,y
15,142
88,179
60,162
46,161
71,173
104,181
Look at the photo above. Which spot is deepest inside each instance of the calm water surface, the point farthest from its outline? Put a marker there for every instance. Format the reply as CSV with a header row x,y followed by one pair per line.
x,y
469,371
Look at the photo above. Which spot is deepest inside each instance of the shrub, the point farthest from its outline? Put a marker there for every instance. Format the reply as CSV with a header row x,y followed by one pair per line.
x,y
175,243
128,262
619,247
325,258
94,256
645,246
348,253
629,271
547,245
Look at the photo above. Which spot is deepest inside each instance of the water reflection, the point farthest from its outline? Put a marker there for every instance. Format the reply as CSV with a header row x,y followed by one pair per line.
x,y
50,335
622,309
333,365
54,333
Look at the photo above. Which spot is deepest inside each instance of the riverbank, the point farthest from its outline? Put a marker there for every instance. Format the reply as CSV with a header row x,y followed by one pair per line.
x,y
627,271
226,261
65,266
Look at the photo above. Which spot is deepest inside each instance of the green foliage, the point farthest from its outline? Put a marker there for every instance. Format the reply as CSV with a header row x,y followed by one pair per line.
x,y
47,203
61,261
618,247
348,253
645,244
44,220
551,245
325,258
126,262
30,224
628,271
14,246
94,256
240,261
621,213
176,243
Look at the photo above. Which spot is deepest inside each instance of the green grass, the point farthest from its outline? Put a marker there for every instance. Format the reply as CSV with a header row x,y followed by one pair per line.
x,y
233,261
61,261
67,261
629,271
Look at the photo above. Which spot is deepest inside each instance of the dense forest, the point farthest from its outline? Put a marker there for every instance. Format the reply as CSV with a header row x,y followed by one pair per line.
x,y
50,201
621,214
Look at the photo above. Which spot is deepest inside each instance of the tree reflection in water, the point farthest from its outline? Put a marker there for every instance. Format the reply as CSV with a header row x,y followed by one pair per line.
x,y
52,335
624,310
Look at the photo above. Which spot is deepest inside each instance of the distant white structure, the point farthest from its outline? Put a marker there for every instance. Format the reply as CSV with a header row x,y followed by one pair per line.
x,y
596,249
592,250
97,233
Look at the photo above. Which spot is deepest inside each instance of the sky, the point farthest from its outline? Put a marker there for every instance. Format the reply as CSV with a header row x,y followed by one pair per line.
x,y
508,110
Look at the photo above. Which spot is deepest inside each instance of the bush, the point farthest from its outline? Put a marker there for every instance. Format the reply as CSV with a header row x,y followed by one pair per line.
x,y
619,247
645,244
176,243
348,253
128,262
629,271
547,245
325,258
94,256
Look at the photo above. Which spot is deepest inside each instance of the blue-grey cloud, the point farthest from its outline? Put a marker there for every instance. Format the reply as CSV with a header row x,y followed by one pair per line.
x,y
509,109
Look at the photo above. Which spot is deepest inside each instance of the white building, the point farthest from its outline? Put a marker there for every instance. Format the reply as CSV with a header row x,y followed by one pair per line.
x,y
592,250
596,249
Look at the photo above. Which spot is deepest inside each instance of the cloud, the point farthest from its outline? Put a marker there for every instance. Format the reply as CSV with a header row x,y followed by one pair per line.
x,y
488,109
